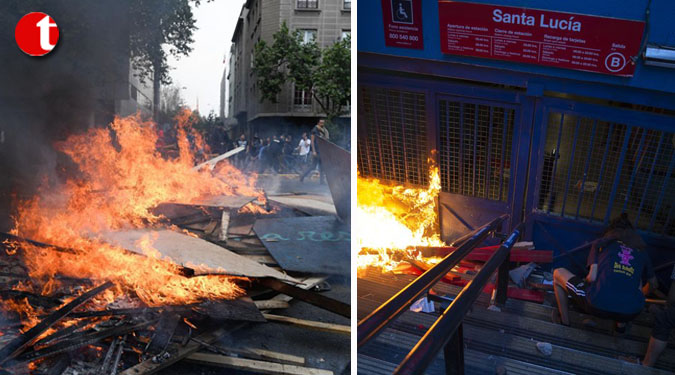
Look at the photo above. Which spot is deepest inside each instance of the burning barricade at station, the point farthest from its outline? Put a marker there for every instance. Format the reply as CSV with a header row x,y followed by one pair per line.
x,y
135,261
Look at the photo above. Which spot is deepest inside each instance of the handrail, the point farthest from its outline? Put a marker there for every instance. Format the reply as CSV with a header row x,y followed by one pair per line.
x,y
445,326
377,320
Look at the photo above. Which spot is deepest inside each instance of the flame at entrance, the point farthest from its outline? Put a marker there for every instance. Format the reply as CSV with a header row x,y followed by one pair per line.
x,y
394,219
120,177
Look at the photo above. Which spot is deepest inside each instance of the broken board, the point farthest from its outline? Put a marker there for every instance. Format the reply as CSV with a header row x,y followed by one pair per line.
x,y
315,244
241,223
203,256
224,201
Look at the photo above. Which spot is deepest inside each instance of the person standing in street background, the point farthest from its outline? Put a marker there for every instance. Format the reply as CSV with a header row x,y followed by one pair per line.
x,y
318,131
303,148
241,156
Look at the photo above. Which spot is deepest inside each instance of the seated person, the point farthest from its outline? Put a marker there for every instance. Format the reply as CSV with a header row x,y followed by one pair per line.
x,y
612,288
664,323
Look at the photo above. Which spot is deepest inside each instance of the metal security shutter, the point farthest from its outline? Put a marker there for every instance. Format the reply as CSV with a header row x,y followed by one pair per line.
x,y
475,149
392,135
595,169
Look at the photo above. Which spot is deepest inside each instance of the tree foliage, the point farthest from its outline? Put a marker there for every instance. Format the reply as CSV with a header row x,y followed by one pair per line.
x,y
159,28
325,73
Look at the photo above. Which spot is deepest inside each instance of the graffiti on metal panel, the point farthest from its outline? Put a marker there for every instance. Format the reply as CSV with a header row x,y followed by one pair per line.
x,y
309,236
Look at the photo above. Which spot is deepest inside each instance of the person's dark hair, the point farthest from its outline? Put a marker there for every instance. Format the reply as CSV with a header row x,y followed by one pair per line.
x,y
620,228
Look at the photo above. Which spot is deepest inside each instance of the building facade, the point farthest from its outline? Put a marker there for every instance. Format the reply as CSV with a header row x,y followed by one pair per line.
x,y
325,21
559,124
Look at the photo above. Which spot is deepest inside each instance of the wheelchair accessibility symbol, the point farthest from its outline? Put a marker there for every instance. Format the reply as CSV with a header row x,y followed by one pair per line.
x,y
614,62
402,11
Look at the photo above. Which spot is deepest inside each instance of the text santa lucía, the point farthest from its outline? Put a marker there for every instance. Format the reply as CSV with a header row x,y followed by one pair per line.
x,y
528,20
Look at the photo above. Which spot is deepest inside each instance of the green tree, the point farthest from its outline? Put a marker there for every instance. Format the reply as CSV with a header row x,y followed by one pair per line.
x,y
325,73
159,28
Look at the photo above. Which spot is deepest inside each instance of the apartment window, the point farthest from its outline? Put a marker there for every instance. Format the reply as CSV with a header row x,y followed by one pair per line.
x,y
345,34
347,4
308,4
302,98
308,36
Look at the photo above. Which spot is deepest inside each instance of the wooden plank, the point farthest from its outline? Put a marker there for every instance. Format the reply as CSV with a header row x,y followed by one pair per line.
x,y
212,163
150,367
313,298
271,304
306,283
188,251
262,354
482,254
224,224
268,354
321,326
255,365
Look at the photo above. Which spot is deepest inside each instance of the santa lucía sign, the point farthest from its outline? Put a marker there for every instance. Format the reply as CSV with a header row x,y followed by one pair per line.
x,y
564,40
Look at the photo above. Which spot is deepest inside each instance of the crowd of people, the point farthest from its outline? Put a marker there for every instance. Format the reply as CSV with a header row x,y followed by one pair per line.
x,y
280,153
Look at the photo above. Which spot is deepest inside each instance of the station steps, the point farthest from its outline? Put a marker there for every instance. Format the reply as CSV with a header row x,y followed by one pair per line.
x,y
507,338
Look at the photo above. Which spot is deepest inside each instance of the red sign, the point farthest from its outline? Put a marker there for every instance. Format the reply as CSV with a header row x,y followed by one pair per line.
x,y
36,34
402,23
564,40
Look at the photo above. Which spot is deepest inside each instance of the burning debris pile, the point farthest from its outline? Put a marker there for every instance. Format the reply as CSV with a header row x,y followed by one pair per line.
x,y
400,218
403,237
137,261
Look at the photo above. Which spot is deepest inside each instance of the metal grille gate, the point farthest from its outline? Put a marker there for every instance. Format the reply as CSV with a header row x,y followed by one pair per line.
x,y
475,148
596,169
392,135
588,162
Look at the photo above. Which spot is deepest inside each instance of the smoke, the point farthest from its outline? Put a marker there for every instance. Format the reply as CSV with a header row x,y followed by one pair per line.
x,y
45,99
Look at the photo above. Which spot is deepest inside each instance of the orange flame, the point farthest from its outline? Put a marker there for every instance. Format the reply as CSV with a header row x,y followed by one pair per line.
x,y
398,218
121,178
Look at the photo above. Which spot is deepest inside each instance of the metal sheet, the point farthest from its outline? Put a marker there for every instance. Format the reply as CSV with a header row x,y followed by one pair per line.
x,y
336,164
315,244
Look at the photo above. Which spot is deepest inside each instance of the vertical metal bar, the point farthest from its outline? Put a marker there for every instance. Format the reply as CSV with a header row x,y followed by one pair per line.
x,y
556,154
461,148
617,176
569,169
391,139
501,162
403,139
635,169
502,283
489,155
588,159
649,178
368,152
475,148
453,353
447,145
662,193
379,138
602,170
